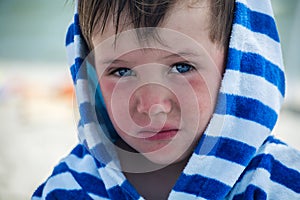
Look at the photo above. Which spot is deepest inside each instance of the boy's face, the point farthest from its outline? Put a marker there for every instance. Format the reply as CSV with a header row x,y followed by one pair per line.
x,y
160,95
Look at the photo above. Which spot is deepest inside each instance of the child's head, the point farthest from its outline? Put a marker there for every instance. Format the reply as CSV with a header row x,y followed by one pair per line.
x,y
160,95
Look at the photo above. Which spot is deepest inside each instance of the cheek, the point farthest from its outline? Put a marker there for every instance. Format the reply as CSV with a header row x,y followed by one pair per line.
x,y
107,88
202,92
206,100
116,97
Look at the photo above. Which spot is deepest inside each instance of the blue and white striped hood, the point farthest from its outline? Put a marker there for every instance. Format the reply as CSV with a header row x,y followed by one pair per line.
x,y
236,158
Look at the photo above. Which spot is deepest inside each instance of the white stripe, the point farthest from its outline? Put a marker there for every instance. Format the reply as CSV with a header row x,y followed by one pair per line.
x,y
111,177
239,129
246,85
261,179
216,171
82,91
82,165
35,198
64,181
75,49
284,154
174,195
246,40
76,7
96,197
79,46
94,134
70,53
263,6
81,135
114,163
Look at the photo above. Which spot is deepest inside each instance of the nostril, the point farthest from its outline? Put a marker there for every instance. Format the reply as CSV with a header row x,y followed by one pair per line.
x,y
154,109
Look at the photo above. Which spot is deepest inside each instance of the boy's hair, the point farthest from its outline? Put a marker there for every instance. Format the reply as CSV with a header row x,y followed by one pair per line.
x,y
148,13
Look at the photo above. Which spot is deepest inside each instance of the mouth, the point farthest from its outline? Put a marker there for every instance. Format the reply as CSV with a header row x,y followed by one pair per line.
x,y
167,134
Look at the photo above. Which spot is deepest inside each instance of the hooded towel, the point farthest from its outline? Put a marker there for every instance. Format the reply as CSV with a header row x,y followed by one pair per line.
x,y
243,161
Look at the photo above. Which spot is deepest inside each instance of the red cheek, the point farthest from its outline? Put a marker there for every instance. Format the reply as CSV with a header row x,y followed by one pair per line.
x,y
107,88
202,91
198,84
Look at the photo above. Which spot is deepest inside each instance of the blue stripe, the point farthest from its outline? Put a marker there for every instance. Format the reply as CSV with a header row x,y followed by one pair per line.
x,y
246,108
91,184
80,123
80,151
100,152
68,195
75,69
74,29
281,174
255,21
118,193
77,30
87,112
81,68
73,72
272,139
201,186
60,168
252,192
130,190
70,35
39,191
86,181
98,164
225,148
255,64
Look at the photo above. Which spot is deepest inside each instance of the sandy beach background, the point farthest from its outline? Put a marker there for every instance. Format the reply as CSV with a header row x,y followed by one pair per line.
x,y
37,124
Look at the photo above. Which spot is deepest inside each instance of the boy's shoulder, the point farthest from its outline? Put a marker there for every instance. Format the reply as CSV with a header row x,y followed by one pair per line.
x,y
76,171
274,173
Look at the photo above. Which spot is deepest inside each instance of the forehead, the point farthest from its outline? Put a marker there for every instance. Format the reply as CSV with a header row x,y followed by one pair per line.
x,y
191,19
168,44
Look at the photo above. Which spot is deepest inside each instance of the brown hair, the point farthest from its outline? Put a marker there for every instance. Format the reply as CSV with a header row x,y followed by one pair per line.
x,y
148,13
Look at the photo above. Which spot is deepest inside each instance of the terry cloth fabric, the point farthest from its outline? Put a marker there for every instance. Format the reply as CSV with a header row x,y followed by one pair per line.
x,y
244,162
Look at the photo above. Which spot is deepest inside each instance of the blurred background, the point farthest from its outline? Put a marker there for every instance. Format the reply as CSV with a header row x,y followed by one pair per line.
x,y
36,98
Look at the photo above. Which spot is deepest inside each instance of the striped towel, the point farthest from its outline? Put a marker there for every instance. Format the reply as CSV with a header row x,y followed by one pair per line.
x,y
244,161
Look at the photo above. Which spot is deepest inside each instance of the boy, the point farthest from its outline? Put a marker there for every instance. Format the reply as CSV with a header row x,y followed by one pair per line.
x,y
170,108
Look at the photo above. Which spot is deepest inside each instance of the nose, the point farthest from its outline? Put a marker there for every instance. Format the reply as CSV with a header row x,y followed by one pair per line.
x,y
153,99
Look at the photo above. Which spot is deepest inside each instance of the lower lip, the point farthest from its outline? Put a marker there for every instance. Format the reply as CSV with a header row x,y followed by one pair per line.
x,y
163,135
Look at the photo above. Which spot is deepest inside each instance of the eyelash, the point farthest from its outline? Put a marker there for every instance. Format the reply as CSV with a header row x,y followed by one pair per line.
x,y
118,70
188,68
182,64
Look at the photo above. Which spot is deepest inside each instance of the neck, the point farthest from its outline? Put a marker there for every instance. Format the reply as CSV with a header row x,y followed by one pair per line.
x,y
151,184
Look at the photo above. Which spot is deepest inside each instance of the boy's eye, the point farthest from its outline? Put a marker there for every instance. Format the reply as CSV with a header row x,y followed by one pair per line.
x,y
181,68
121,72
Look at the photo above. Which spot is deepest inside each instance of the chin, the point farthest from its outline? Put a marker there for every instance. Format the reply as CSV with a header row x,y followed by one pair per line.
x,y
166,156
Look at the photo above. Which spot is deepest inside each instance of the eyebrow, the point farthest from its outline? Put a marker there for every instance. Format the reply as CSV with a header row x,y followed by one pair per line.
x,y
114,61
182,54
